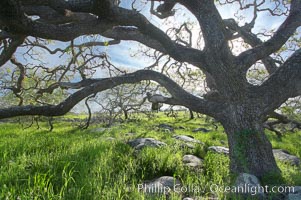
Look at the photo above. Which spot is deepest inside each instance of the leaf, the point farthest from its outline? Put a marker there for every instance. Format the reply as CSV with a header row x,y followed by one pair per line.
x,y
68,49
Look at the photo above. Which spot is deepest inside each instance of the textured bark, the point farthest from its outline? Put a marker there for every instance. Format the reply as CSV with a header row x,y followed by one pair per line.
x,y
250,152
8,52
250,149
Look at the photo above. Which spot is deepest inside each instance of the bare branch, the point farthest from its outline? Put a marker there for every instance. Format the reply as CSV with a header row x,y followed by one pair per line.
x,y
164,10
187,54
8,51
280,119
18,88
147,33
282,84
180,96
284,32
89,111
284,119
211,24
253,40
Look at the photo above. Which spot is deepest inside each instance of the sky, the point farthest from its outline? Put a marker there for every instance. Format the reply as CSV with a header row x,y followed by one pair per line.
x,y
122,54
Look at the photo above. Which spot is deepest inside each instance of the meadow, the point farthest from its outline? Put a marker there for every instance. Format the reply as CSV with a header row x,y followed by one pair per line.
x,y
96,163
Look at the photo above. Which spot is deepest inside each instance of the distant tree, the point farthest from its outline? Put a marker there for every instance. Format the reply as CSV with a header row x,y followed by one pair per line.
x,y
120,101
240,105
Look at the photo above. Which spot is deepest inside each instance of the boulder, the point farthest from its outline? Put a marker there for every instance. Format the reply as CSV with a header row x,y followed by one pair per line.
x,y
110,139
286,157
248,187
219,149
166,127
98,130
192,161
162,185
130,134
140,143
186,138
187,145
295,194
204,130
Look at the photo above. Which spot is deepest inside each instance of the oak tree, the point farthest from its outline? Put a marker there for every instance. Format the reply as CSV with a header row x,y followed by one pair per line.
x,y
240,106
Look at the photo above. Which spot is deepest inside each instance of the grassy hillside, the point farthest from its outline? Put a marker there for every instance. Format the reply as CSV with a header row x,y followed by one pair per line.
x,y
70,163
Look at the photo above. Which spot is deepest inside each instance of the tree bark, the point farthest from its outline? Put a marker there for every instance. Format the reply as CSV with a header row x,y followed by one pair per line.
x,y
126,115
191,114
249,148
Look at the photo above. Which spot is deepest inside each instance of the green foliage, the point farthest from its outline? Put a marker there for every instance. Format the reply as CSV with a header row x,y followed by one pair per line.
x,y
242,145
78,164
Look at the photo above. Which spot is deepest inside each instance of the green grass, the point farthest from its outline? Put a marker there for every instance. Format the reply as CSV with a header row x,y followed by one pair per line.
x,y
70,163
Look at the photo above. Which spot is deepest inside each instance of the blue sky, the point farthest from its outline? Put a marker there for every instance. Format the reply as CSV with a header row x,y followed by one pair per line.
x,y
121,54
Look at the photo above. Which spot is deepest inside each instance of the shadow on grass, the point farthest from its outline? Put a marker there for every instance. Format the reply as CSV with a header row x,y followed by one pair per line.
x,y
71,166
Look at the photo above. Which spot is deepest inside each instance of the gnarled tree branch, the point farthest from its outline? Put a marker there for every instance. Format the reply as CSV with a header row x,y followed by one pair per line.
x,y
252,40
9,50
284,32
283,84
86,24
180,96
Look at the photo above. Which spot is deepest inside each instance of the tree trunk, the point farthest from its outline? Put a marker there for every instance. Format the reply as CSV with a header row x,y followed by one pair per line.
x,y
191,114
250,150
125,112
